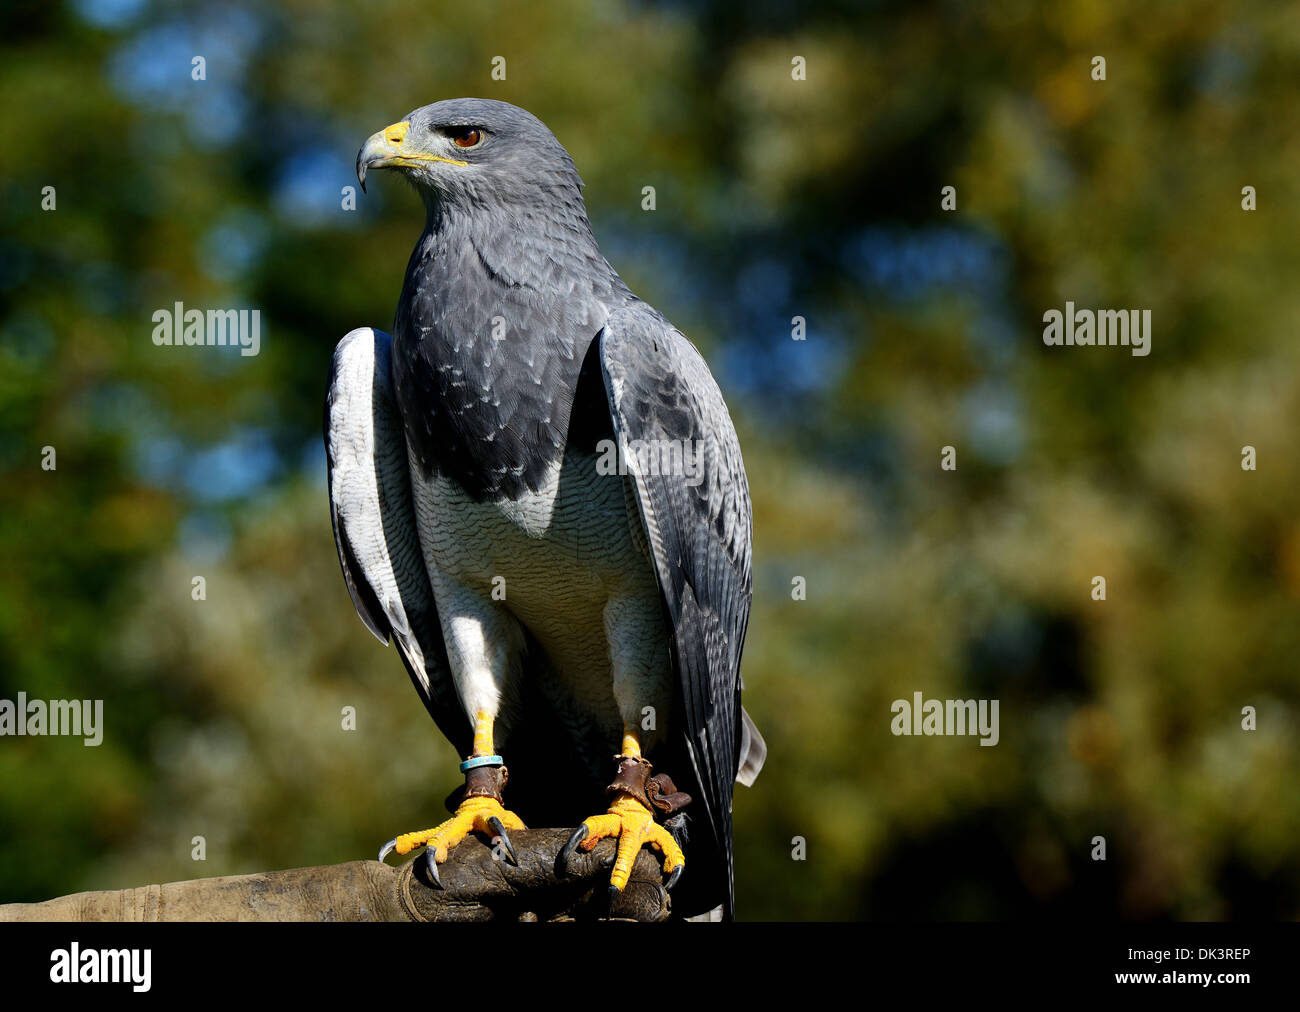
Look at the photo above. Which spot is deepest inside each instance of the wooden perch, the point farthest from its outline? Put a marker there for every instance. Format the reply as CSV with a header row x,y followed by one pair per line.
x,y
476,887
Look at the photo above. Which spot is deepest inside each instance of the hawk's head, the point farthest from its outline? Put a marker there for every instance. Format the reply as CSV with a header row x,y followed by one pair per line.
x,y
473,151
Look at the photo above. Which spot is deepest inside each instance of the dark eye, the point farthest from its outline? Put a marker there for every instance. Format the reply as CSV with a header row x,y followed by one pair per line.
x,y
465,137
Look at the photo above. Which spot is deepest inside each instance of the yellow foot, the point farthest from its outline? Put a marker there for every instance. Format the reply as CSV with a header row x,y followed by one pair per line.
x,y
632,823
474,815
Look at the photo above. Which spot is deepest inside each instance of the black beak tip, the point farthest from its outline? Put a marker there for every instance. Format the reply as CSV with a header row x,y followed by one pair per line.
x,y
361,173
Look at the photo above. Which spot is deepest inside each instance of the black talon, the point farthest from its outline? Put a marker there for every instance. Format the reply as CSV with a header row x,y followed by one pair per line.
x,y
498,827
431,862
579,834
672,879
614,892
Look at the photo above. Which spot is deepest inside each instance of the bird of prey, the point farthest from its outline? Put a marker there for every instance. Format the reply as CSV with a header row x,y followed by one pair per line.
x,y
538,495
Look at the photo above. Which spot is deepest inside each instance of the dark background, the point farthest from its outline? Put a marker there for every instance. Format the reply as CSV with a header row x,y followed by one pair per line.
x,y
775,198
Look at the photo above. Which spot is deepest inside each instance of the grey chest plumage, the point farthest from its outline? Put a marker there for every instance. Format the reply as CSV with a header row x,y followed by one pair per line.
x,y
489,345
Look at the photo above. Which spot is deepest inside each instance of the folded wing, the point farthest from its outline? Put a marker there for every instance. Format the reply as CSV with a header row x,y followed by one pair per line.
x,y
663,398
374,522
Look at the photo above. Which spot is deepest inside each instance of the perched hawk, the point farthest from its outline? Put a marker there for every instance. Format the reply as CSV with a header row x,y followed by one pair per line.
x,y
538,494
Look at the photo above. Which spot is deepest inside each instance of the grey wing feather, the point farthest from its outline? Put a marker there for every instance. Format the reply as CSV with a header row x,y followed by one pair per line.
x,y
374,521
660,388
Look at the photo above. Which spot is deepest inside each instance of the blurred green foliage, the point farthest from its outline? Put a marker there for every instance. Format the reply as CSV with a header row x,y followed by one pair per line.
x,y
775,198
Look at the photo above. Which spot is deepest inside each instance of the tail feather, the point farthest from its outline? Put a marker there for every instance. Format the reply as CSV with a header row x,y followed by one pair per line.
x,y
753,751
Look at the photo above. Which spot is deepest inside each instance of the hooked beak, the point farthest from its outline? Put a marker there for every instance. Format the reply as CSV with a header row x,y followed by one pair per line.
x,y
389,147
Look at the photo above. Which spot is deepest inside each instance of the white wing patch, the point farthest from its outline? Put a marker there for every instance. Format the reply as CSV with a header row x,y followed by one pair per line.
x,y
370,498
